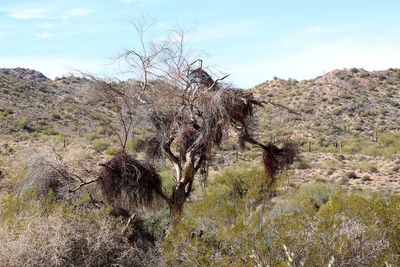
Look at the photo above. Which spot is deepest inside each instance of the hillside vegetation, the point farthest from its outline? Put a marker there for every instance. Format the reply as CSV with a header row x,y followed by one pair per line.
x,y
338,205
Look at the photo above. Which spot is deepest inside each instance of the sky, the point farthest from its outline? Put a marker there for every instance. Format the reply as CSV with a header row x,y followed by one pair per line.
x,y
253,41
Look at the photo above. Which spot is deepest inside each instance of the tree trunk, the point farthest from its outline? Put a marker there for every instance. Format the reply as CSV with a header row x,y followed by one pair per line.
x,y
181,193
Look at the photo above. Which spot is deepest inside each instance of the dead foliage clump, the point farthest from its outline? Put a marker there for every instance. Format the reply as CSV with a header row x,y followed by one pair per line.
x,y
127,182
277,159
153,148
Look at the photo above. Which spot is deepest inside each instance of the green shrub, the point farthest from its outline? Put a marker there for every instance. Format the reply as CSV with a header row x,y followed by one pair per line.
x,y
331,165
314,224
366,166
135,144
112,150
21,123
57,115
101,144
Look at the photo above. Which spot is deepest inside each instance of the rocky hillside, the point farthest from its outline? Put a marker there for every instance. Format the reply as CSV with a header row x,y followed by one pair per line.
x,y
346,121
339,103
31,103
22,74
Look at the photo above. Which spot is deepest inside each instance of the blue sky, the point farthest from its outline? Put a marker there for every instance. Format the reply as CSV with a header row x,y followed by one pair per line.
x,y
251,40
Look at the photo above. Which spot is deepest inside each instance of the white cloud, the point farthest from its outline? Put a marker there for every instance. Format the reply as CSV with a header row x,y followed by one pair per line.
x,y
313,30
235,29
77,12
140,2
43,35
29,13
137,2
26,13
46,26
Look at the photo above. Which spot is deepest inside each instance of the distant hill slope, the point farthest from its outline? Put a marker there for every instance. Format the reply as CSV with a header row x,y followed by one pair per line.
x,y
32,103
337,119
339,103
336,104
22,74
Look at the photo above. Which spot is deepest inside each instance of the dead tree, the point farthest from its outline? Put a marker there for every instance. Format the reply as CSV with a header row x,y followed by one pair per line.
x,y
189,111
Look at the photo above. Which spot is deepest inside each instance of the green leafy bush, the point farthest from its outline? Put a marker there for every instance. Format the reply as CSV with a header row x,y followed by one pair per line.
x,y
312,225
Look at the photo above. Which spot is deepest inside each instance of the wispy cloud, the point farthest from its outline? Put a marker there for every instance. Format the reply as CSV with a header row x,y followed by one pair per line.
x,y
77,12
318,29
126,1
46,26
45,13
29,13
43,35
317,33
141,2
234,29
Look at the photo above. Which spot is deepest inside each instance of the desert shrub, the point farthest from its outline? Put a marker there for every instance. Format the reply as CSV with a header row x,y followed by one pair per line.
x,y
101,144
112,150
366,166
396,168
45,175
366,178
74,239
315,224
21,123
303,164
228,146
57,115
350,175
135,144
51,232
354,70
388,144
331,165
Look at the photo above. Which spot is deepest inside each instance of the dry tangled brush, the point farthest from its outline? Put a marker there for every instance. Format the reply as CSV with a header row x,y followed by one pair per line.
x,y
45,174
73,240
126,182
277,159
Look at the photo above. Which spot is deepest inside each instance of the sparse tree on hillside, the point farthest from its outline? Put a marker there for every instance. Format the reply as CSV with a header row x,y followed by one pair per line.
x,y
190,113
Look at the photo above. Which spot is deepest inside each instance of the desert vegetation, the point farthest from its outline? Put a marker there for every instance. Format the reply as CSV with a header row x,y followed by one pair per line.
x,y
175,167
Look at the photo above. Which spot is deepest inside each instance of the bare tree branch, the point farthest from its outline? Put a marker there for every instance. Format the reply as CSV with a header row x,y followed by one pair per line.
x,y
83,184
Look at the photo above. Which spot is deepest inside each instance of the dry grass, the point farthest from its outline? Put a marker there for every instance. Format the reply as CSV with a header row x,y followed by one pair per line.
x,y
75,240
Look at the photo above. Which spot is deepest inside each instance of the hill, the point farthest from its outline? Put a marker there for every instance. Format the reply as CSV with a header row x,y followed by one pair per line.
x,y
347,121
338,103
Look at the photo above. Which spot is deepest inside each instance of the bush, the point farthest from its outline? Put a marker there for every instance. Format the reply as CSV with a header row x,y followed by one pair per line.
x,y
350,175
135,144
61,239
101,144
366,166
313,225
60,233
45,175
